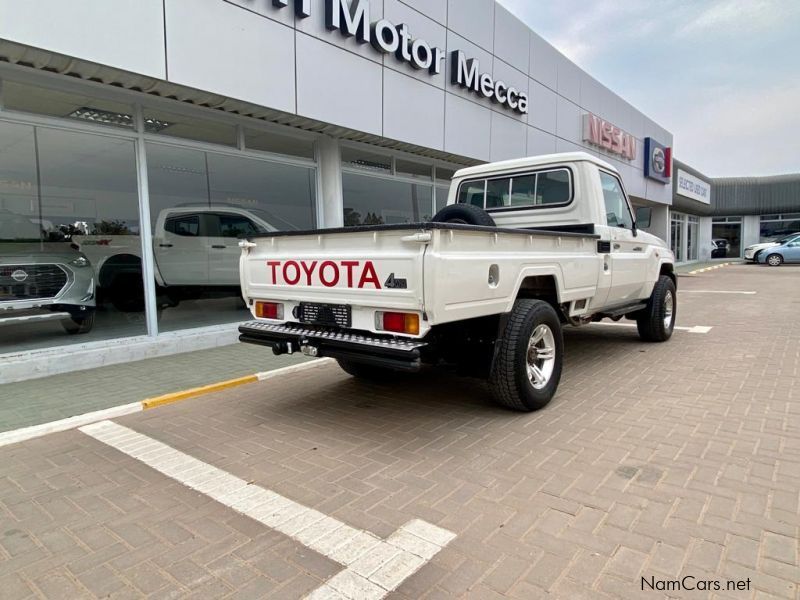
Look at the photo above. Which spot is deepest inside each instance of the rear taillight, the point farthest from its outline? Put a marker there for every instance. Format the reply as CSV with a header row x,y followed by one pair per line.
x,y
397,322
269,310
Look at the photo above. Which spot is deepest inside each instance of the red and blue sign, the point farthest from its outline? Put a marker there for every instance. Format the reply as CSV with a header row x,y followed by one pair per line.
x,y
657,161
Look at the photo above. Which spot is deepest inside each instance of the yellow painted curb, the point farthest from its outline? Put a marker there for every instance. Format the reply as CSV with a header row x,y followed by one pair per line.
x,y
709,268
198,391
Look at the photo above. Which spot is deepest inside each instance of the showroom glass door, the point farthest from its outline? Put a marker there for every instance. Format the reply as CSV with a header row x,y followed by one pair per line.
x,y
70,250
691,238
726,233
676,236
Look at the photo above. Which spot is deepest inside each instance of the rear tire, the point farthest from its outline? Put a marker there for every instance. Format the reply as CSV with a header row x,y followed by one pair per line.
x,y
79,325
657,322
527,365
367,372
774,260
127,293
464,214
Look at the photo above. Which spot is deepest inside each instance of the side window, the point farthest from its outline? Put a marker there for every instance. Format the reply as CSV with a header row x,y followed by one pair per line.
x,y
234,226
540,189
472,192
617,212
523,191
497,193
185,225
552,187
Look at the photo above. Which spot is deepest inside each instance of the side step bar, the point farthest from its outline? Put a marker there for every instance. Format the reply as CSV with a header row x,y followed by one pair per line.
x,y
623,310
366,348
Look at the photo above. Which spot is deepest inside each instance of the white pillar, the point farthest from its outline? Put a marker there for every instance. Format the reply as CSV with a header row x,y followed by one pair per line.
x,y
751,230
330,211
145,232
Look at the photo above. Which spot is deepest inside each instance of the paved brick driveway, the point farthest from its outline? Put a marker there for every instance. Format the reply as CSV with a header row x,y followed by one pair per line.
x,y
655,461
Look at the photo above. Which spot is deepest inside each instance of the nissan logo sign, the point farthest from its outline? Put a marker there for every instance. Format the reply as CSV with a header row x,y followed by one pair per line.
x,y
19,275
659,161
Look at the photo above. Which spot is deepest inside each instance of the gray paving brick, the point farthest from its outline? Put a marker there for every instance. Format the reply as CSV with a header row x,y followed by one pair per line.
x,y
60,396
654,459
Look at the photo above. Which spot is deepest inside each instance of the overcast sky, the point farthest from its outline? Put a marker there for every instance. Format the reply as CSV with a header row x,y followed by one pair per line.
x,y
722,75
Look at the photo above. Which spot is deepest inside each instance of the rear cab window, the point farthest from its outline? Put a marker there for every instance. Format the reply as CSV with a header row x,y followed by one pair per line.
x,y
540,189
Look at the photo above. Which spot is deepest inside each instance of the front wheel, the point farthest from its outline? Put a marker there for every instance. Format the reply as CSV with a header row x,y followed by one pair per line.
x,y
77,325
774,260
527,365
656,322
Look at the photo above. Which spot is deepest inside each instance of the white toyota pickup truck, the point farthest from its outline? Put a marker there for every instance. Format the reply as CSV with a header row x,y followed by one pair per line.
x,y
523,248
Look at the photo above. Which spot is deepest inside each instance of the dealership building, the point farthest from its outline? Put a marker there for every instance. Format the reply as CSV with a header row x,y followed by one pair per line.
x,y
148,135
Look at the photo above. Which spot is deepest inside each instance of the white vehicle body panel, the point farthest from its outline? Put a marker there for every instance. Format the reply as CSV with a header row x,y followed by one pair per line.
x,y
202,260
447,269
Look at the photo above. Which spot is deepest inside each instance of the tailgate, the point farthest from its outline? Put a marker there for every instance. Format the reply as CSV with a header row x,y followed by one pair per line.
x,y
362,270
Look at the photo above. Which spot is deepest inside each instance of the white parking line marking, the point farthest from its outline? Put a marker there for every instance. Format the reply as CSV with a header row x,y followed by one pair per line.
x,y
294,368
747,293
374,567
695,329
34,431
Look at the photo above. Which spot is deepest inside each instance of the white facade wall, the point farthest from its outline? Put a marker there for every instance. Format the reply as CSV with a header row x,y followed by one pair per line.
x,y
251,51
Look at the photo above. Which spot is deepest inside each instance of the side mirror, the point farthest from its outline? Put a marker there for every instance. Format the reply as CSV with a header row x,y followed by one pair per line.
x,y
643,216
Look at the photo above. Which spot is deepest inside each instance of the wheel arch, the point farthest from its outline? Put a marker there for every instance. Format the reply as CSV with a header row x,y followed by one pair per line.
x,y
668,269
544,285
119,264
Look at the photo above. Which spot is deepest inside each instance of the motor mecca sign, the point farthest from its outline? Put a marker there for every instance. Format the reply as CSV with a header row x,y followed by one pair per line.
x,y
352,19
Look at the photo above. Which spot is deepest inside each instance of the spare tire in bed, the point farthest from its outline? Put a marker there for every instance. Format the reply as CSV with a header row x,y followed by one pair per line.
x,y
466,214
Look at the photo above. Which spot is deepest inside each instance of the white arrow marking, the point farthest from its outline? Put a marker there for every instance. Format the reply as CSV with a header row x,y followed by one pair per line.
x,y
374,567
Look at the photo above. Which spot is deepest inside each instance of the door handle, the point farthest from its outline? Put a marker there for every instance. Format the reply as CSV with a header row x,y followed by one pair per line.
x,y
638,249
616,246
219,247
165,245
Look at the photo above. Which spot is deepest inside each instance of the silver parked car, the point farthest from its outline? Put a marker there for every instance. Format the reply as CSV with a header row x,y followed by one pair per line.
x,y
751,252
47,286
41,277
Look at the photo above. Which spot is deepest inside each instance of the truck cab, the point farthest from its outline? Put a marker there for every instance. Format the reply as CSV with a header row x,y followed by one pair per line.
x,y
541,193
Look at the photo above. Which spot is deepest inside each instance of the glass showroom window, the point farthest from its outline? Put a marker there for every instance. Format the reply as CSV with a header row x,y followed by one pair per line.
x,y
774,227
691,238
377,189
726,233
676,235
68,203
443,176
201,203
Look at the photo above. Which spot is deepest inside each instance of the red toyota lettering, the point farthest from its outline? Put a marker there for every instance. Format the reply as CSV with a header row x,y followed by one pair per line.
x,y
308,270
329,272
325,281
349,264
274,264
368,275
296,277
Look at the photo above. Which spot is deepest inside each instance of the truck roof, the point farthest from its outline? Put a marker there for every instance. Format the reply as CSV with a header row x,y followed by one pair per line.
x,y
532,161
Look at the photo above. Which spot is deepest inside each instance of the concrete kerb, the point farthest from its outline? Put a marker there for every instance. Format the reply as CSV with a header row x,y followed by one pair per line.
x,y
719,266
34,431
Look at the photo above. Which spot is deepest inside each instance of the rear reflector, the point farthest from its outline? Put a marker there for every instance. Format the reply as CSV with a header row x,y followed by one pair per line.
x,y
269,310
398,322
